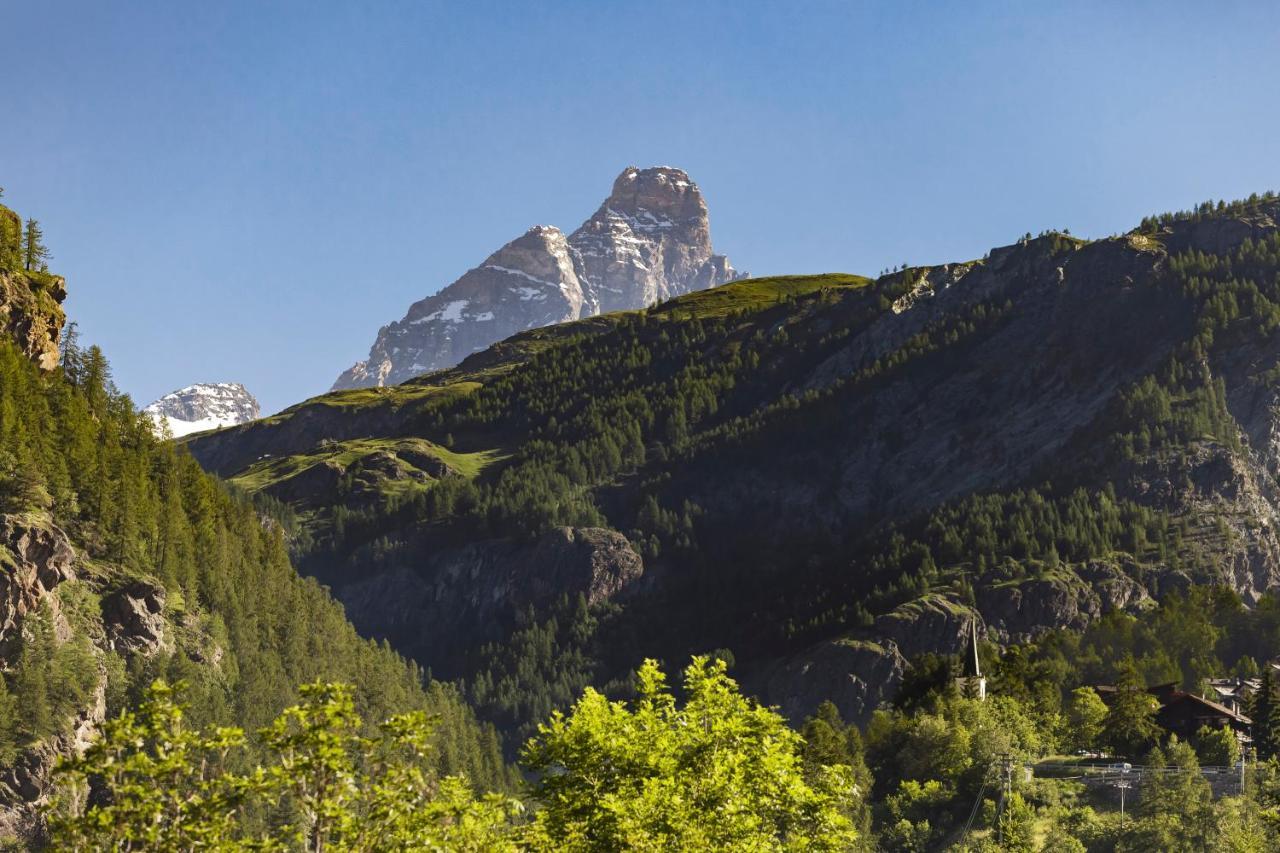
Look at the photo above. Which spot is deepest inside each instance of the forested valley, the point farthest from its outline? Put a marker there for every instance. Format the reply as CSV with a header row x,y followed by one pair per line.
x,y
801,504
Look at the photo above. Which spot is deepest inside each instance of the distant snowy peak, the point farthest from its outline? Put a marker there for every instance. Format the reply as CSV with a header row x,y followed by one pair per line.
x,y
204,406
649,241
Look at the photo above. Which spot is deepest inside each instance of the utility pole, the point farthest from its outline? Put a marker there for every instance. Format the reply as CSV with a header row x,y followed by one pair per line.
x,y
1123,784
1244,758
1006,788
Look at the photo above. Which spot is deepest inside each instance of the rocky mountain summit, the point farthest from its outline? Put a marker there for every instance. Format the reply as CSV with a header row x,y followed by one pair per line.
x,y
204,406
649,241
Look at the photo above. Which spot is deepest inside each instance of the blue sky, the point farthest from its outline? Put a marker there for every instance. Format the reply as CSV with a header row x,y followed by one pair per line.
x,y
247,191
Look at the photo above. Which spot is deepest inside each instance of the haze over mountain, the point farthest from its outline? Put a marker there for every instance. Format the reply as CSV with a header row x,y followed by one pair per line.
x,y
649,241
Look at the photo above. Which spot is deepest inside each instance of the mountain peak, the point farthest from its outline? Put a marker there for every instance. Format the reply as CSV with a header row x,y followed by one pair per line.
x,y
659,189
204,406
650,240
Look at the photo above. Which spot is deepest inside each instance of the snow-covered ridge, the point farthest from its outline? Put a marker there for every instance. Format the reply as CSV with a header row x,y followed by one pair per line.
x,y
203,406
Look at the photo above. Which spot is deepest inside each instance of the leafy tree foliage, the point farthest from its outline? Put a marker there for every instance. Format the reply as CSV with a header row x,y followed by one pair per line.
x,y
1130,725
1218,747
1086,718
162,785
828,742
716,772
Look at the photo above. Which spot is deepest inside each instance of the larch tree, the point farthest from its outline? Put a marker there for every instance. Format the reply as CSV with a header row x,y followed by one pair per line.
x,y
35,254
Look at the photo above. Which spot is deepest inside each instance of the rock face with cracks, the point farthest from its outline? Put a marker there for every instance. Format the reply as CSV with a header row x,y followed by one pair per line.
x,y
37,563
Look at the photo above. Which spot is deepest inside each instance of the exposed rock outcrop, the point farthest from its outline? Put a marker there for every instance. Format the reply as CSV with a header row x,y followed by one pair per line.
x,y
37,561
472,590
857,675
649,241
25,785
30,302
133,616
35,557
1020,611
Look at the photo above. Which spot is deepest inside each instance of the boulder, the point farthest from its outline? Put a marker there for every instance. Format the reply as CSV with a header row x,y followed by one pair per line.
x,y
133,617
34,558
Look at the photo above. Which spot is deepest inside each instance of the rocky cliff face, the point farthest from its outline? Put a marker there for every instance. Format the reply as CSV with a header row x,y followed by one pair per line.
x,y
30,302
39,565
649,241
473,591
201,407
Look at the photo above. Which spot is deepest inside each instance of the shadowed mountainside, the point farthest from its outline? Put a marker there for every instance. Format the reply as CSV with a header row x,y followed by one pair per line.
x,y
824,475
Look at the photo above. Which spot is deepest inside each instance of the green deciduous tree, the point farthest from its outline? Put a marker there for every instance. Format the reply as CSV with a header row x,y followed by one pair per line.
x,y
830,741
164,786
1086,715
1217,747
718,772
164,783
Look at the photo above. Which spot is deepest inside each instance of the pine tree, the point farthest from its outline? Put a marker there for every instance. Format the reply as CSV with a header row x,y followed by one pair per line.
x,y
1264,709
72,355
35,255
31,680
1130,726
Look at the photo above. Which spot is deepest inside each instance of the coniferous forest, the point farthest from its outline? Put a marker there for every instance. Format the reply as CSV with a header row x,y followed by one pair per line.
x,y
447,426
798,563
183,687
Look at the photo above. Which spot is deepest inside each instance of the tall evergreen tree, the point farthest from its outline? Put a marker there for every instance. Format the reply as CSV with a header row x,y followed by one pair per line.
x,y
72,355
35,254
1264,709
1130,726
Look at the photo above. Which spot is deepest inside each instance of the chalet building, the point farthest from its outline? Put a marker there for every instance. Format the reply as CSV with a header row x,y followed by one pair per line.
x,y
1184,714
971,682
1233,693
